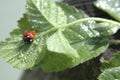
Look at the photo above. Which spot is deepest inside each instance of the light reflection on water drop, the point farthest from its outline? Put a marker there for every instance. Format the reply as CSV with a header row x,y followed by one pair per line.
x,y
116,4
72,18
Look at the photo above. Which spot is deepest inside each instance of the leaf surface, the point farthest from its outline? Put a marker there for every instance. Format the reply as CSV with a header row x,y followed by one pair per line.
x,y
111,69
19,54
63,39
112,7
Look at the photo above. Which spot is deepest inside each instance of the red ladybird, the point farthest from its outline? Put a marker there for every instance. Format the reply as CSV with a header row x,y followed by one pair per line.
x,y
28,36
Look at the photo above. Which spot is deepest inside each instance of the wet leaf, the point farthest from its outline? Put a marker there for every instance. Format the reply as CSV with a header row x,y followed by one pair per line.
x,y
112,7
63,38
111,69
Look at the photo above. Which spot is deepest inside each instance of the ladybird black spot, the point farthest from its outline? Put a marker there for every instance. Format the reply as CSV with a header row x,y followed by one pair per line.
x,y
28,40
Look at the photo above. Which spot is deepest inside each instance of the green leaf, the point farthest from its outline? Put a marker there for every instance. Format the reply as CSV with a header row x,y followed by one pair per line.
x,y
111,69
39,17
63,39
114,62
110,74
112,7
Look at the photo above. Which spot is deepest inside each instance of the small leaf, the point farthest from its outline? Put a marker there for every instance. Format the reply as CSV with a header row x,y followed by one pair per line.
x,y
111,69
112,7
110,74
115,62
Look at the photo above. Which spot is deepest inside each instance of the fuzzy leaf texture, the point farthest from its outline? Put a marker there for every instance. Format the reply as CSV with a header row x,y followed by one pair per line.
x,y
111,69
62,39
112,7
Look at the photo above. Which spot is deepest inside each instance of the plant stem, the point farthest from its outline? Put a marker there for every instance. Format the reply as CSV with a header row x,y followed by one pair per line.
x,y
114,41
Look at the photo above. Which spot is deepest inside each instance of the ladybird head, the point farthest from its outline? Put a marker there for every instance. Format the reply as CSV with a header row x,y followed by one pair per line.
x,y
28,36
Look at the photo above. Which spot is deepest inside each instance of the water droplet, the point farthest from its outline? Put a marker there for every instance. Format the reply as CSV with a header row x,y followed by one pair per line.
x,y
35,21
110,70
46,4
116,4
117,70
81,37
38,4
72,17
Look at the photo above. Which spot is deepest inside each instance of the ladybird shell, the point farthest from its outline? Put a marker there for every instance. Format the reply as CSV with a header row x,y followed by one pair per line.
x,y
28,36
29,33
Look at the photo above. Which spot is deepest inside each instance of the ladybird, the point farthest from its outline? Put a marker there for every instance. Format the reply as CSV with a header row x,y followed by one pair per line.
x,y
28,37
